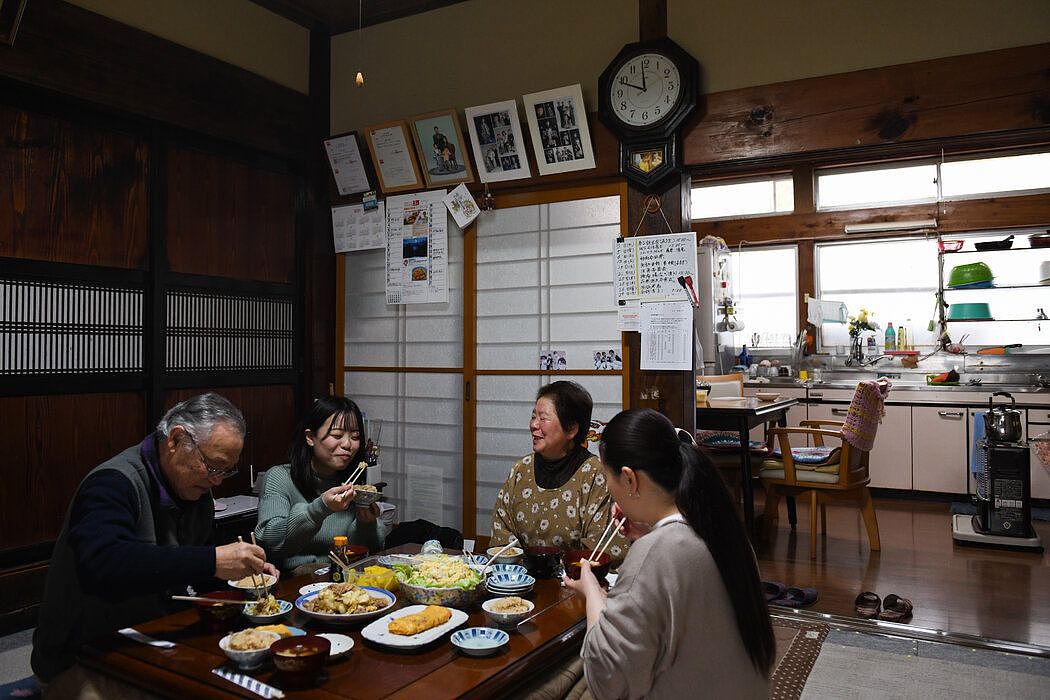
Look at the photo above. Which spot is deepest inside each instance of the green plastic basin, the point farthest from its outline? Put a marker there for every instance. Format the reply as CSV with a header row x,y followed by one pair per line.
x,y
969,273
969,312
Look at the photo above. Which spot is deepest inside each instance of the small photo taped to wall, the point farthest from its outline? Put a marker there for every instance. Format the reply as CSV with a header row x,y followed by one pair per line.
x,y
607,358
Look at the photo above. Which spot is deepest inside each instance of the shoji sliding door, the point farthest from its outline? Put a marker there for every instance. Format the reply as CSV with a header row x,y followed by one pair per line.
x,y
544,283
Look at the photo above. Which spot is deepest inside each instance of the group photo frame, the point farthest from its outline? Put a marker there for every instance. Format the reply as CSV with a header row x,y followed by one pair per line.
x,y
393,156
496,139
561,140
439,142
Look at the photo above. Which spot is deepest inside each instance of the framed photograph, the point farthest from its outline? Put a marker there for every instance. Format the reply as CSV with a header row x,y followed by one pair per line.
x,y
495,136
348,167
439,143
558,125
392,156
646,163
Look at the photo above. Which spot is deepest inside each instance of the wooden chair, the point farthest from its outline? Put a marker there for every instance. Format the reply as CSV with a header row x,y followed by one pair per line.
x,y
724,385
846,479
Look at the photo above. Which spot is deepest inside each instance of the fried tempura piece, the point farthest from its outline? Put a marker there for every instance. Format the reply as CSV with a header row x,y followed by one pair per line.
x,y
428,618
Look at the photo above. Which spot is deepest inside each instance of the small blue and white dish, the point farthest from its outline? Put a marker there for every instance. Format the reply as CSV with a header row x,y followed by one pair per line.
x,y
479,641
508,569
511,580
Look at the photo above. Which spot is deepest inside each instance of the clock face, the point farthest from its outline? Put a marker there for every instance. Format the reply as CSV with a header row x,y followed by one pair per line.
x,y
645,90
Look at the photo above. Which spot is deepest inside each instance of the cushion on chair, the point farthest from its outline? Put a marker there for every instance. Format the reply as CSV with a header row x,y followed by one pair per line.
x,y
810,457
723,440
811,475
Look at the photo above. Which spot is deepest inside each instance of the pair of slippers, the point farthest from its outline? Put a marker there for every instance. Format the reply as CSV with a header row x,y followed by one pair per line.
x,y
789,596
892,609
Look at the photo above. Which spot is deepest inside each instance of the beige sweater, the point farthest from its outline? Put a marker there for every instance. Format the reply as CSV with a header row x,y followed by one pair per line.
x,y
668,630
573,515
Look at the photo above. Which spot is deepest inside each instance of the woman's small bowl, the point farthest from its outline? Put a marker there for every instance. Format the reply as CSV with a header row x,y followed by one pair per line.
x,y
250,658
263,583
300,660
572,563
506,619
508,569
479,641
767,396
363,499
542,562
354,552
274,618
511,556
216,616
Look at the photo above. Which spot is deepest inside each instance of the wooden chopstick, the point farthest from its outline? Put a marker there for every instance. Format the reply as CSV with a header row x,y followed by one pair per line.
x,y
255,585
612,535
357,473
605,533
342,565
205,599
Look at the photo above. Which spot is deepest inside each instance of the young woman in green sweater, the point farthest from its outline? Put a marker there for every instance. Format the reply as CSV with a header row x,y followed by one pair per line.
x,y
304,504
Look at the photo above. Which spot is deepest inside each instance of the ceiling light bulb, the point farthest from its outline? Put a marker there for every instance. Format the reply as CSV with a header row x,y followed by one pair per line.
x,y
359,80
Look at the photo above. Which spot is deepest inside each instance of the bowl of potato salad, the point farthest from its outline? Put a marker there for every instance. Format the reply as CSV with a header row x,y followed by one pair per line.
x,y
440,580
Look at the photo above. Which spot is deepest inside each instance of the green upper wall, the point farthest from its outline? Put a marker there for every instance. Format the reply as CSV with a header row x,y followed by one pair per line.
x,y
488,50
238,32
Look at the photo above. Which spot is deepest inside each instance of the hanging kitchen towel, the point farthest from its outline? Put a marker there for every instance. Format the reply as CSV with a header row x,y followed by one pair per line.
x,y
865,413
978,435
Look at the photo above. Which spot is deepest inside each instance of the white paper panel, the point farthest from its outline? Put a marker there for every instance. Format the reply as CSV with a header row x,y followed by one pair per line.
x,y
590,240
510,355
509,274
514,246
583,269
520,329
590,212
509,301
513,220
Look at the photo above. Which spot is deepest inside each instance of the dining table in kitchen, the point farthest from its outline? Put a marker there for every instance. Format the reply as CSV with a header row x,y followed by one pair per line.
x,y
368,671
742,414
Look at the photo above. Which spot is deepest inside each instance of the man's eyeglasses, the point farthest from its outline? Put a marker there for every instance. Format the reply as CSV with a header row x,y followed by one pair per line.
x,y
213,472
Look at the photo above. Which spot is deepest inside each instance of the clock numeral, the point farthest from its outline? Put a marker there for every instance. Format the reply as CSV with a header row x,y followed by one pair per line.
x,y
645,115
632,114
619,93
623,105
671,85
667,99
667,72
623,80
657,111
634,69
645,63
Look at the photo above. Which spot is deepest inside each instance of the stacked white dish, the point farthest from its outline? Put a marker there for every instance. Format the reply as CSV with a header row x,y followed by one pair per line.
x,y
505,583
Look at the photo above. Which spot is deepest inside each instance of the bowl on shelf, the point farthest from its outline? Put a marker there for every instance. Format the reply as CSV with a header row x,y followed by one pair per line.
x,y
1044,271
969,273
767,396
1004,244
973,311
950,245
1039,240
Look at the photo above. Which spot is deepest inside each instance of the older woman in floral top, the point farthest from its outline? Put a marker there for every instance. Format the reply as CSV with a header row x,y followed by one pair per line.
x,y
557,495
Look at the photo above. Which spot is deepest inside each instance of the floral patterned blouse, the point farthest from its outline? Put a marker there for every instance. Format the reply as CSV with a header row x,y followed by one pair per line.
x,y
574,515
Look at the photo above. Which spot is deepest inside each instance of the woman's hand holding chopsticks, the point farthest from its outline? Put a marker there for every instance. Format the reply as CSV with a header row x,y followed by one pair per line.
x,y
339,498
631,529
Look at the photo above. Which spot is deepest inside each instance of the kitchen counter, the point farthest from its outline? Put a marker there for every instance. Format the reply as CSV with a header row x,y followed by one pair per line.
x,y
898,385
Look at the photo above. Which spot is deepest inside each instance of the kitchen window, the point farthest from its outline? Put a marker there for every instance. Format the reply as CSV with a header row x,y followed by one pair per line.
x,y
766,295
723,199
876,186
894,279
1019,173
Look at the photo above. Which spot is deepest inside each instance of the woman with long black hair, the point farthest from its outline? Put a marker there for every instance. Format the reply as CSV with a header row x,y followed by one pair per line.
x,y
304,503
687,614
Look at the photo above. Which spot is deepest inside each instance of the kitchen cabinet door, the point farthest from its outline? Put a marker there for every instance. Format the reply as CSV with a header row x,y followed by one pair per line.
x,y
890,462
1040,475
938,446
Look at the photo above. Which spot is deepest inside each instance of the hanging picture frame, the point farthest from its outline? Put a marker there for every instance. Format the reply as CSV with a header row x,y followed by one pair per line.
x,y
393,157
648,162
495,137
349,169
443,159
557,120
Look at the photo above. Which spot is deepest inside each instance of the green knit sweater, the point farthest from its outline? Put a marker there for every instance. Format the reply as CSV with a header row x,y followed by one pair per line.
x,y
294,531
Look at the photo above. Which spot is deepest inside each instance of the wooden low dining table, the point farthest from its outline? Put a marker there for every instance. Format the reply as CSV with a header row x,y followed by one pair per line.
x,y
741,415
368,671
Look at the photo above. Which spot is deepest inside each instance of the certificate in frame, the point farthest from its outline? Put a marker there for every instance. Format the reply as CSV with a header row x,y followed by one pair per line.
x,y
392,155
495,137
348,168
558,125
439,143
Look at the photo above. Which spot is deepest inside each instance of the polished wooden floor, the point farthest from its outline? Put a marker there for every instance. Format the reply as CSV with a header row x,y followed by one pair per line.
x,y
987,592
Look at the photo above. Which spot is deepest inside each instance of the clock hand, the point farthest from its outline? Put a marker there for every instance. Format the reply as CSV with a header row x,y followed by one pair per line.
x,y
643,80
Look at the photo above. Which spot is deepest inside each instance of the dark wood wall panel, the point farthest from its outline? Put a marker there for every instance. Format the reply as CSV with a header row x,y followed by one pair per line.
x,y
70,192
228,219
994,91
77,52
271,417
50,443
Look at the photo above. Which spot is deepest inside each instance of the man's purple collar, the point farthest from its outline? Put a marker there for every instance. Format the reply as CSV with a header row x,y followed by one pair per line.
x,y
148,450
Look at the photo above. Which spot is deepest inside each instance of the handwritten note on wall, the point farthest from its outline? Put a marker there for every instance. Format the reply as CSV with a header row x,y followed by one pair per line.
x,y
648,267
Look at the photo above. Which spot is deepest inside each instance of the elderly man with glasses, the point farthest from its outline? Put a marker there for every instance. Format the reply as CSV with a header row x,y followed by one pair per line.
x,y
139,529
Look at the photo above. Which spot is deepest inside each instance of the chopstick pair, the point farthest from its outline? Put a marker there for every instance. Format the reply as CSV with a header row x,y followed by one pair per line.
x,y
610,532
261,585
357,473
345,567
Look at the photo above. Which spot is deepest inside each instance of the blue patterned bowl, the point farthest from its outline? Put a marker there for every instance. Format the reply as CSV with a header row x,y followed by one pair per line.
x,y
508,569
510,581
479,641
448,597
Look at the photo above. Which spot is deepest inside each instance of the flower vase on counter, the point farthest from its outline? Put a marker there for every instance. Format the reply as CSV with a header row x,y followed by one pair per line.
x,y
856,351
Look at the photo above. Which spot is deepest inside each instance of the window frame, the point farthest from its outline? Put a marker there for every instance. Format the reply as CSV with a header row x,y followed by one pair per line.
x,y
772,177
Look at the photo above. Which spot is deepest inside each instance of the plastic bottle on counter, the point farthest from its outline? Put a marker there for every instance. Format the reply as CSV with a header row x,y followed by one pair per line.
x,y
339,543
902,337
891,337
872,347
744,357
